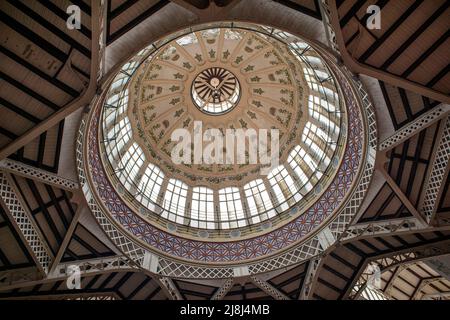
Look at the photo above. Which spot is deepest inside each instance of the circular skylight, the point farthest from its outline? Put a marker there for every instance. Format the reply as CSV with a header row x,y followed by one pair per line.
x,y
215,90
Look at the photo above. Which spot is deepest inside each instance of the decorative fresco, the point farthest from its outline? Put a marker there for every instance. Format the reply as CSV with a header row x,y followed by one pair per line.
x,y
272,97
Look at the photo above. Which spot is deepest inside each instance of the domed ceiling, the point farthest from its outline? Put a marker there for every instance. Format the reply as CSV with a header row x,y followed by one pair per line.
x,y
259,80
224,77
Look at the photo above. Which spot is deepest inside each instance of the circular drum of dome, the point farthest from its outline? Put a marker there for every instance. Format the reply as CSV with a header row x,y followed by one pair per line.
x,y
200,221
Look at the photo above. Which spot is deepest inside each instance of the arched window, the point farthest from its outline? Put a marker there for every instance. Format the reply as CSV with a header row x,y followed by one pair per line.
x,y
258,201
231,210
150,186
202,208
283,186
175,201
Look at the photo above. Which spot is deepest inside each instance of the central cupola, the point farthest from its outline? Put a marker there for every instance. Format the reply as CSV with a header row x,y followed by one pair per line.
x,y
215,91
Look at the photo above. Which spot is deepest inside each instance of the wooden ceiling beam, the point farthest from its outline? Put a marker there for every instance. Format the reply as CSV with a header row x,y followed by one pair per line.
x,y
83,100
67,238
405,15
403,198
415,35
144,15
298,7
358,67
63,15
50,27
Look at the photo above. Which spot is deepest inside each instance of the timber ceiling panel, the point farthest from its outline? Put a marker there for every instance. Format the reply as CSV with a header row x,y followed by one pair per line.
x,y
194,291
290,282
123,15
85,245
49,206
309,7
121,285
412,42
247,291
385,205
412,282
43,152
43,67
13,252
404,106
346,262
409,162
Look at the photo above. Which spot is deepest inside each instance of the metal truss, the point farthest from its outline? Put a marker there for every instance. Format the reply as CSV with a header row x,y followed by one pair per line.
x,y
10,278
329,31
308,250
40,175
15,279
88,296
267,288
411,129
67,238
372,294
390,284
223,290
169,288
403,198
363,291
340,224
422,284
25,224
170,268
103,34
95,266
310,279
437,296
389,261
25,278
92,296
370,229
437,173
